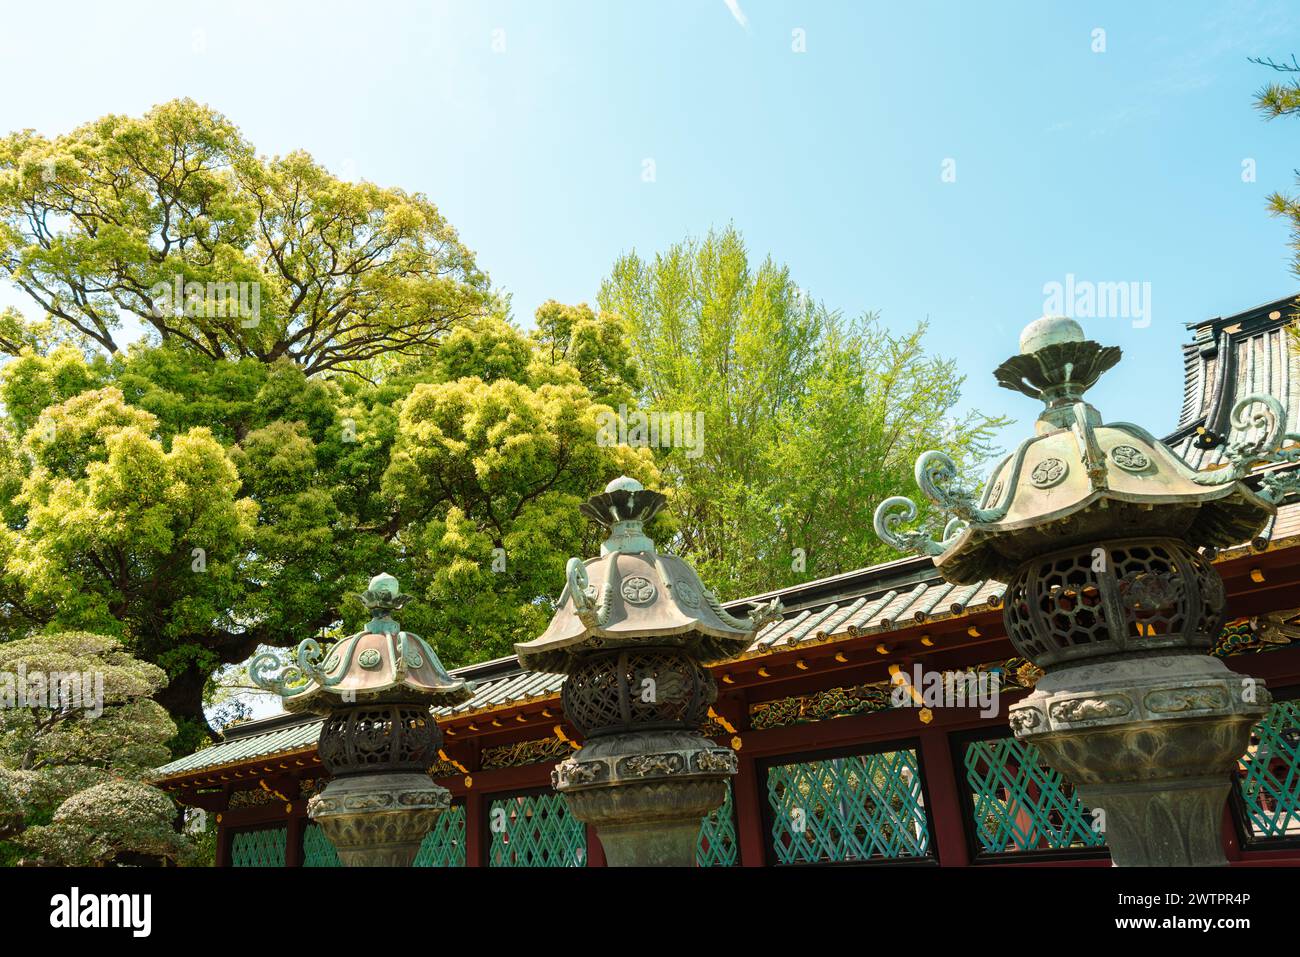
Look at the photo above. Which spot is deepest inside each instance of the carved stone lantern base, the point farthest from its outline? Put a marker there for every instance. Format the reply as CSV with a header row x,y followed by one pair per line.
x,y
646,793
1152,743
378,820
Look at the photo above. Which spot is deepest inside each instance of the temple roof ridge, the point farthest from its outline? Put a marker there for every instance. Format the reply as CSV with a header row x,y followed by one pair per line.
x,y
1228,358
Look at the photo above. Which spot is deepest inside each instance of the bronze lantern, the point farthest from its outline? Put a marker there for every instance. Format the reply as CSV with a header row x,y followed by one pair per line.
x,y
1104,537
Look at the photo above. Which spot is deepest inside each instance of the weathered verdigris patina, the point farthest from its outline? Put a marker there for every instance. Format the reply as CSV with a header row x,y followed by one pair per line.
x,y
630,632
379,739
1098,531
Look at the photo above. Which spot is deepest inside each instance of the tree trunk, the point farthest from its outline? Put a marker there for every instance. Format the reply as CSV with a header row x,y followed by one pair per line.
x,y
183,698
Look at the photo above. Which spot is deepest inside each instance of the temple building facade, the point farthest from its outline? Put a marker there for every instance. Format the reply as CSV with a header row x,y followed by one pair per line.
x,y
870,723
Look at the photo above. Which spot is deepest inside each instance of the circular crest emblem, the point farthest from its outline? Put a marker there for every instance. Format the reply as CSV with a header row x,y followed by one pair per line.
x,y
688,595
1048,472
368,659
637,590
1129,458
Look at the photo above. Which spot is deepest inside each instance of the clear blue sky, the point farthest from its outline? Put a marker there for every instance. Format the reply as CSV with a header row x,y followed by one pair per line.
x,y
1123,165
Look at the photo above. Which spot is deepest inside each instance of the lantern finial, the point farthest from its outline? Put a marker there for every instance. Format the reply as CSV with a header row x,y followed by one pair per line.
x,y
1049,331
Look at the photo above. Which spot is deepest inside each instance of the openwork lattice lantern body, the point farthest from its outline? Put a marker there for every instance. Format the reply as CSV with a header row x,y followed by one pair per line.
x,y
1102,533
379,739
631,631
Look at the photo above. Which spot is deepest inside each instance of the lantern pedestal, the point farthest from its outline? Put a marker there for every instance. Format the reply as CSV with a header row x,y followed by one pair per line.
x,y
1152,743
646,793
378,820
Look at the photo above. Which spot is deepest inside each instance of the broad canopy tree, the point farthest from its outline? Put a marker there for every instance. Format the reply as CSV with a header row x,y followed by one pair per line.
x,y
127,537
200,508
107,222
220,485
199,531
498,468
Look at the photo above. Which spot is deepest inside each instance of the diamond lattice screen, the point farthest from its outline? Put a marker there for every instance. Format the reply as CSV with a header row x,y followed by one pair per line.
x,y
1020,804
264,848
1269,776
317,849
444,845
535,831
856,808
717,847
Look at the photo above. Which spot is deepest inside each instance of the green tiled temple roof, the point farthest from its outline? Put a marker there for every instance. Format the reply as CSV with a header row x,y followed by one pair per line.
x,y
271,736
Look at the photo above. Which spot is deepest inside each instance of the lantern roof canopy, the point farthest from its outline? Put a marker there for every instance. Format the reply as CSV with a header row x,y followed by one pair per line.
x,y
1077,480
633,595
379,663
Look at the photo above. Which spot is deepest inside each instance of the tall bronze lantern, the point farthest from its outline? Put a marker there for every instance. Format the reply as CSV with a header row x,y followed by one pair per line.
x,y
632,629
1103,533
375,689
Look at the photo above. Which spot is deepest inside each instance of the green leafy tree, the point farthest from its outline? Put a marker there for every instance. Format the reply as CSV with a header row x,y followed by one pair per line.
x,y
196,508
596,345
131,538
123,822
101,224
215,486
294,489
810,420
487,477
17,334
72,760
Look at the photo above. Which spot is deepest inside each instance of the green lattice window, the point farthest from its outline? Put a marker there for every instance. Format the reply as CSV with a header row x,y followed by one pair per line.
x,y
858,808
444,845
262,848
535,831
1020,804
717,847
317,849
1269,775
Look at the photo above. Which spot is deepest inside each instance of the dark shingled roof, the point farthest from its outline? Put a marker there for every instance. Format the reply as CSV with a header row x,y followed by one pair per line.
x,y
1230,357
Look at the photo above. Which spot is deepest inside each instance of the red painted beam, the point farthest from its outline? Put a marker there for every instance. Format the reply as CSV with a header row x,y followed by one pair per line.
x,y
475,828
747,801
948,803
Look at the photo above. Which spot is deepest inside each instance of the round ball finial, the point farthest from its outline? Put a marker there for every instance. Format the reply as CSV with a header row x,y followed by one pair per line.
x,y
1049,331
624,484
385,583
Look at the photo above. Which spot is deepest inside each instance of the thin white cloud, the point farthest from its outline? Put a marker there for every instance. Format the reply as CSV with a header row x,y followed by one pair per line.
x,y
739,14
